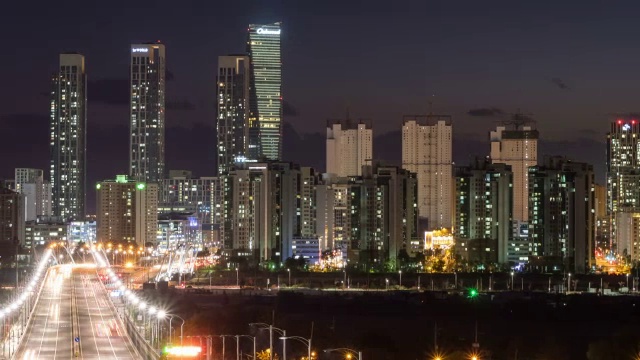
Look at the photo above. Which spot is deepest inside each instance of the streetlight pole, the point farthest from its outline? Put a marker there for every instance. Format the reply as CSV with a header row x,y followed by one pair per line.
x,y
302,340
400,273
289,271
346,351
512,274
238,278
271,328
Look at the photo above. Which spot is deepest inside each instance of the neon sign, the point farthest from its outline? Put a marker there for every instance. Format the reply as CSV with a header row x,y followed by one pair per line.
x,y
268,31
140,50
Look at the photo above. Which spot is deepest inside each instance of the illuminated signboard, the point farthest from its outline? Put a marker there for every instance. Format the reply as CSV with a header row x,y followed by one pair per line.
x,y
268,31
183,351
140,50
626,127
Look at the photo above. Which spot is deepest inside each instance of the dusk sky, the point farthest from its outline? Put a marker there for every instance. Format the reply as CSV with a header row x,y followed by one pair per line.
x,y
571,66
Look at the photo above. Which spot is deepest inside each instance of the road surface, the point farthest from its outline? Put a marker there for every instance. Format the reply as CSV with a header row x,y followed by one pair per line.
x,y
73,319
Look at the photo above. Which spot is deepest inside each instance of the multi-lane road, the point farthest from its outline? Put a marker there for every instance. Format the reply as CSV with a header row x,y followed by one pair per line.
x,y
74,319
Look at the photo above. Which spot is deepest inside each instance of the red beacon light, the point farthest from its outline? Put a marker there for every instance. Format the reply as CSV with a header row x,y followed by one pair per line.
x,y
619,122
633,122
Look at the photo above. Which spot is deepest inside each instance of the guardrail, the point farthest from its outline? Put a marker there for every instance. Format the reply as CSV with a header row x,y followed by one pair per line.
x,y
18,313
144,349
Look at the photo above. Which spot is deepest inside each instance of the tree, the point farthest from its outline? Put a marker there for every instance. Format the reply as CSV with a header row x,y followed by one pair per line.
x,y
264,355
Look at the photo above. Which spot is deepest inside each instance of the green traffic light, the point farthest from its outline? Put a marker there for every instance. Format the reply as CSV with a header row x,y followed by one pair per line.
x,y
473,293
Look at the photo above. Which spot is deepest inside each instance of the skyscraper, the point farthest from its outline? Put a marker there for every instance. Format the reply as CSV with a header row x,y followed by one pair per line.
x,y
623,179
233,110
427,151
349,147
265,121
518,148
68,129
146,157
623,165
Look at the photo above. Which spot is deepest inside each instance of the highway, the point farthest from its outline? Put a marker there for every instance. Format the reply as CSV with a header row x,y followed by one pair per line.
x,y
73,319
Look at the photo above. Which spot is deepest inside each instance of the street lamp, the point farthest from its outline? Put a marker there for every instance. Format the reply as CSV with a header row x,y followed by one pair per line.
x,y
627,282
237,278
306,342
347,352
387,284
400,273
569,283
289,271
512,274
162,314
271,328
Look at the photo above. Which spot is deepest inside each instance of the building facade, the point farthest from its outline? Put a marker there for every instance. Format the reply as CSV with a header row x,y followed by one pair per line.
x,y
484,201
232,99
200,196
45,229
67,138
127,211
562,215
518,148
265,121
349,147
11,221
269,204
36,191
147,112
427,151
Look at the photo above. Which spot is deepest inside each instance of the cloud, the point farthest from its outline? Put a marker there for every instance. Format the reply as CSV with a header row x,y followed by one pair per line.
x,y
560,84
491,111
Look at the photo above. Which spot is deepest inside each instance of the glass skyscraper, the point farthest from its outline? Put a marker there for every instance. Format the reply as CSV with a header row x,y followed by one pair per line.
x,y
265,119
67,138
147,93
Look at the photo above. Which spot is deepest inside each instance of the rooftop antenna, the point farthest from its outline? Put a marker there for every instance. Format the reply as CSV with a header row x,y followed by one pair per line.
x,y
519,120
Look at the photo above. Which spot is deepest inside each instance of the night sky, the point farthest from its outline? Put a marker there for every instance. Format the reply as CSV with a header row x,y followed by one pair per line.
x,y
570,66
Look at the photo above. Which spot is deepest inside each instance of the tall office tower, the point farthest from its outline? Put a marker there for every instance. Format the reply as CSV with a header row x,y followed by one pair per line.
x,y
484,200
11,221
562,215
233,110
349,147
146,157
426,151
265,121
127,210
518,148
37,192
68,130
200,196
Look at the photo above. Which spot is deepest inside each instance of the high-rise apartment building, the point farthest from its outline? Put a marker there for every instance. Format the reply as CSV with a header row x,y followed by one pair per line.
x,y
269,204
67,138
147,112
12,224
562,215
199,196
623,177
484,200
36,191
265,120
127,210
518,148
349,147
427,151
232,98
